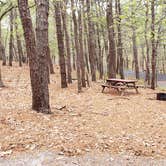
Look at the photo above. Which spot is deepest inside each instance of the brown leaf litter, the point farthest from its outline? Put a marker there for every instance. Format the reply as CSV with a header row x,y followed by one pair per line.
x,y
80,123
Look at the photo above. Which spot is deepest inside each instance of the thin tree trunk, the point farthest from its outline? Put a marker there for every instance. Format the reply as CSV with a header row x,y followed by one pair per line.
x,y
73,46
77,47
11,53
85,38
142,58
135,52
67,42
91,41
112,51
15,52
37,61
2,49
147,45
82,53
61,48
99,43
127,61
134,41
1,82
49,59
96,53
101,70
164,59
19,45
120,45
153,80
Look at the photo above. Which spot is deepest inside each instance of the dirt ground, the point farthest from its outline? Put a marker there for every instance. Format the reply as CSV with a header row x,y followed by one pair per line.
x,y
90,159
83,123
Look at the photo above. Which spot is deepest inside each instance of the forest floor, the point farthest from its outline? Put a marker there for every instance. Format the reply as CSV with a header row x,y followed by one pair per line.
x,y
88,123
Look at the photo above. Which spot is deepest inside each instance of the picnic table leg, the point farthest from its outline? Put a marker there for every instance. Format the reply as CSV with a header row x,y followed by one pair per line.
x,y
103,89
122,92
136,88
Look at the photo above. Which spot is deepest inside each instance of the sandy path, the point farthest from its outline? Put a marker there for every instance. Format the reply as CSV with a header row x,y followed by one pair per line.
x,y
52,159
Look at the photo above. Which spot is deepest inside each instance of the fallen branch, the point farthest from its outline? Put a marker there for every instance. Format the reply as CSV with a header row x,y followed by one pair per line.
x,y
120,97
60,107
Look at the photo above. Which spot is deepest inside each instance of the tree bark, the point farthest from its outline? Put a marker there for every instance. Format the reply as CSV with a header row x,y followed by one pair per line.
x,y
91,42
82,53
49,59
153,80
164,59
134,40
142,60
120,45
101,70
78,64
1,82
11,53
135,52
60,38
42,44
67,42
37,60
2,49
112,51
85,37
147,45
72,44
19,45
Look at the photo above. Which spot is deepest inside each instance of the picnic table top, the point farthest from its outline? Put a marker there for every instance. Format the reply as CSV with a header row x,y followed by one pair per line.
x,y
121,80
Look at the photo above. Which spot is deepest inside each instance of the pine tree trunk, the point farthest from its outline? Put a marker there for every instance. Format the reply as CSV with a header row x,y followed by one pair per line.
x,y
104,33
42,44
37,60
19,45
96,53
67,42
78,63
164,59
142,58
147,46
61,48
99,43
134,41
100,56
82,53
73,46
49,59
112,51
153,80
120,45
85,38
1,44
127,62
2,49
11,53
74,55
1,83
135,52
15,52
91,42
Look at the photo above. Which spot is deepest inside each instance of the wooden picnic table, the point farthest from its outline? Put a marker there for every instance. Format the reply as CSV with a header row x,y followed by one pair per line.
x,y
120,84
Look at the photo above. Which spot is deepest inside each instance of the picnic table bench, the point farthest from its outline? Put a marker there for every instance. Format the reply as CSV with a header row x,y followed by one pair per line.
x,y
120,85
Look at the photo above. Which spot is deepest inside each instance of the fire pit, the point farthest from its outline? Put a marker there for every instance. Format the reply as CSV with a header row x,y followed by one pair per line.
x,y
161,96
